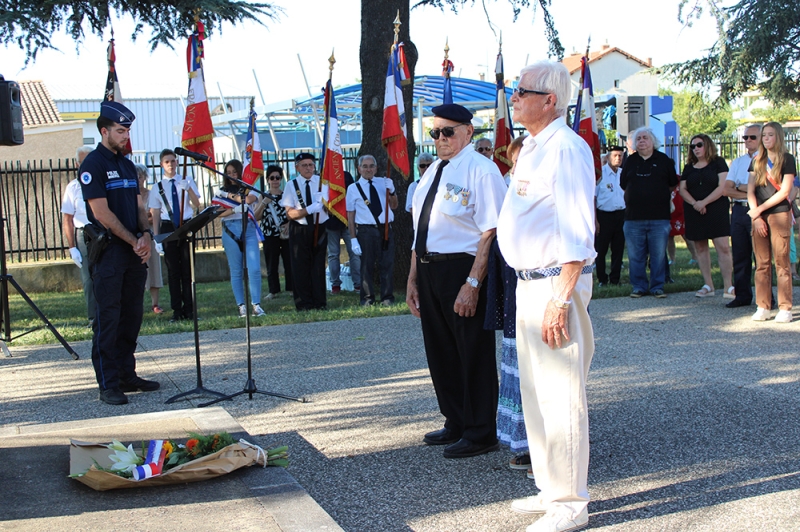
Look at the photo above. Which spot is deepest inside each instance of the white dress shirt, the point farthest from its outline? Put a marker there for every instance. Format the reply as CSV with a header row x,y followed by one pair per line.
x,y
156,202
466,205
610,197
291,201
73,204
355,202
548,214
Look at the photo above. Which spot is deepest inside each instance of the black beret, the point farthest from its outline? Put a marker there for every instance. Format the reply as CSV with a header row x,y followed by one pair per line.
x,y
303,156
615,148
117,112
454,112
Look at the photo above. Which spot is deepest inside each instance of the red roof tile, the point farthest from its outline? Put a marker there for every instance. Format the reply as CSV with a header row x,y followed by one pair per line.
x,y
38,108
573,62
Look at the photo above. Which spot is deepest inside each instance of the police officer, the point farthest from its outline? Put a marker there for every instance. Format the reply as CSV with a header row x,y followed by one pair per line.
x,y
455,214
111,189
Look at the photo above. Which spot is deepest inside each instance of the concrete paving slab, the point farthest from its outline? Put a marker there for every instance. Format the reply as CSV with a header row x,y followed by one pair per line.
x,y
693,410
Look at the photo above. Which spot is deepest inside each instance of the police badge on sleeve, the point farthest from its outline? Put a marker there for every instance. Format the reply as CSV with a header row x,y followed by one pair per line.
x,y
86,178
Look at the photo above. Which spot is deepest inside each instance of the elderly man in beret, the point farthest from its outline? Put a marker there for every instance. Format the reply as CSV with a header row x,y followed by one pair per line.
x,y
302,200
110,186
455,211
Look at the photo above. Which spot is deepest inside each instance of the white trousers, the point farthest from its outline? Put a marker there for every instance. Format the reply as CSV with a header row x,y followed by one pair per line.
x,y
553,386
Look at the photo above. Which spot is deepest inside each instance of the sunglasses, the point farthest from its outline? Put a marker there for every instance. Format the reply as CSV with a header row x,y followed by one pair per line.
x,y
446,131
484,149
423,166
522,92
698,145
275,178
750,137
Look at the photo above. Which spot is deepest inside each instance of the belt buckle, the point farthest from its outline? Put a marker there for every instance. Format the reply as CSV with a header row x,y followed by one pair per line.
x,y
424,259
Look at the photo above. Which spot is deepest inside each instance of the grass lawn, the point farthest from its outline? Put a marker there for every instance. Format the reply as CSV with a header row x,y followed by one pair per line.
x,y
217,309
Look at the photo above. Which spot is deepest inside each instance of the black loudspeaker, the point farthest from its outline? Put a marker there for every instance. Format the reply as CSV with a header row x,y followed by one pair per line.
x,y
10,114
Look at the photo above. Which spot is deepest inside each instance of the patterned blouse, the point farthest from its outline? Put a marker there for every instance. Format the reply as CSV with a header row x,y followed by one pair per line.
x,y
268,225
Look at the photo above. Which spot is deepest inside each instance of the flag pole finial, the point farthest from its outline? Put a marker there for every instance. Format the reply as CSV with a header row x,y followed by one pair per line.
x,y
331,62
446,48
397,26
500,47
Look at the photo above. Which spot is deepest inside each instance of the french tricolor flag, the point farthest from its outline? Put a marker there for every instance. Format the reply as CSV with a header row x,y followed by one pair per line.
x,y
585,123
393,135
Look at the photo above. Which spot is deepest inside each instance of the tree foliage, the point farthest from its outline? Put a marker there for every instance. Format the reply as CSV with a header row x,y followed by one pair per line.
x,y
758,48
556,50
30,25
778,113
695,114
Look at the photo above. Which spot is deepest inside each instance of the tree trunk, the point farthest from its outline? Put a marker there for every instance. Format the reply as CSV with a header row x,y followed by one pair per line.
x,y
377,35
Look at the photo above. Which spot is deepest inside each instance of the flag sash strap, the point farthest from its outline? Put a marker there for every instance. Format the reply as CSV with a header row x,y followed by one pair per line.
x,y
228,203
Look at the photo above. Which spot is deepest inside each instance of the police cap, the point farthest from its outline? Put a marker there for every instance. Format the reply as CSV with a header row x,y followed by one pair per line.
x,y
116,112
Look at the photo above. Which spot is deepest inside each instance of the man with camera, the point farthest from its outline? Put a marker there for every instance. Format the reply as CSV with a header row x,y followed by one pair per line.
x,y
119,222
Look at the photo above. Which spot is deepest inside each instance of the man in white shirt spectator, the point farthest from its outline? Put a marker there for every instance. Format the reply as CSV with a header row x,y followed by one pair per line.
x,y
610,201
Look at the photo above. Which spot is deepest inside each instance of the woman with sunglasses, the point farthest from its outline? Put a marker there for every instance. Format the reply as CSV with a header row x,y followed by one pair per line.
x,y
275,225
769,186
707,212
232,239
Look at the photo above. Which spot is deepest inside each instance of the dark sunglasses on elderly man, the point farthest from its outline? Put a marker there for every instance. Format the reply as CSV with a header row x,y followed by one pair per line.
x,y
423,166
750,137
448,131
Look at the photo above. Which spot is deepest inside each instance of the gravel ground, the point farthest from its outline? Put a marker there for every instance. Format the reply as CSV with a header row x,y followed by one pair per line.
x,y
693,416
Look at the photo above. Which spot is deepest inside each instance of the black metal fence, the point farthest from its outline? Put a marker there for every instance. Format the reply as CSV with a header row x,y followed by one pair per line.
x,y
729,147
31,194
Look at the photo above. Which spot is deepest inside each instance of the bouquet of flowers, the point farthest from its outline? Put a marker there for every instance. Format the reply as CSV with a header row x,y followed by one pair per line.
x,y
166,461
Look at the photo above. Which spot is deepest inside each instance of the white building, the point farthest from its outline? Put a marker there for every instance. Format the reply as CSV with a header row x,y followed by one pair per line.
x,y
615,70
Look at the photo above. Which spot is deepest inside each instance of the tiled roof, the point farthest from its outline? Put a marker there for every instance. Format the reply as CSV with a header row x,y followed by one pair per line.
x,y
38,108
573,62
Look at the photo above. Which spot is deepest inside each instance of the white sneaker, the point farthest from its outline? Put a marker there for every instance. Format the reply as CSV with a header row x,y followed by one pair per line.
x,y
529,505
761,314
784,316
258,311
558,521
242,310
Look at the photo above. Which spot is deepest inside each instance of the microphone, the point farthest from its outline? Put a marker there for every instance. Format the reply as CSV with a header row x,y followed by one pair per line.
x,y
194,155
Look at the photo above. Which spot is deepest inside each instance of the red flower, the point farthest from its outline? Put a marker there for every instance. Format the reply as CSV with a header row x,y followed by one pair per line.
x,y
191,445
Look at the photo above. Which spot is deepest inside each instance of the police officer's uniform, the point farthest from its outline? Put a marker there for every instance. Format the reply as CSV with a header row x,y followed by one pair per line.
x,y
118,275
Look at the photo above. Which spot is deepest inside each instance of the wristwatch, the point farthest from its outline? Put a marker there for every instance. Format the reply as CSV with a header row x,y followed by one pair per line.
x,y
148,230
473,282
560,303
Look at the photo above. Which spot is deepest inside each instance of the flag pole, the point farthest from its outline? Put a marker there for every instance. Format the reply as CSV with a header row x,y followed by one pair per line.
x,y
331,62
385,243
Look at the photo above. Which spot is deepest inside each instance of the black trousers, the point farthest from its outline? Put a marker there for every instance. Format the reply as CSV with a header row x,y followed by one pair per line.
x,y
179,273
610,234
742,252
308,266
276,249
372,253
118,279
460,352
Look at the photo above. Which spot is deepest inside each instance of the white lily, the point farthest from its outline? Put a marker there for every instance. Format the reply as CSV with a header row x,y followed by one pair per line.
x,y
124,458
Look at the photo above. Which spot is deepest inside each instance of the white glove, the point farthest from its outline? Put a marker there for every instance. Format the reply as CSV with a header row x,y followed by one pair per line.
x,y
389,184
314,208
160,248
355,246
317,197
75,253
220,193
182,184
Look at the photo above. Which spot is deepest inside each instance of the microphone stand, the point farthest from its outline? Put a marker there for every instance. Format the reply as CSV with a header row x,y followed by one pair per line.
x,y
250,387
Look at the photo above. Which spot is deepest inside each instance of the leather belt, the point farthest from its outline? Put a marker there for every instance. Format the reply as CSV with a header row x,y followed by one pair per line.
x,y
541,273
439,257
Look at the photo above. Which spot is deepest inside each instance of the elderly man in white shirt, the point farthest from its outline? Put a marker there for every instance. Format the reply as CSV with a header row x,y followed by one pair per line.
x,y
455,212
546,233
741,224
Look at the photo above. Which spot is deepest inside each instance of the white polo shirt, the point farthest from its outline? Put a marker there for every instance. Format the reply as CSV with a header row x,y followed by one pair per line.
x,y
610,197
466,205
355,202
738,172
